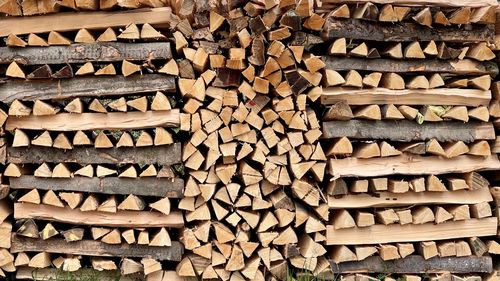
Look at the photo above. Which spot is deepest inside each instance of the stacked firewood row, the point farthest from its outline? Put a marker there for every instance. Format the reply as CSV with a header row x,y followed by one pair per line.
x,y
93,158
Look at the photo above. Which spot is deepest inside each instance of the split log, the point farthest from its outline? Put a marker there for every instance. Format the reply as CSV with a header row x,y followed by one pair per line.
x,y
376,234
163,155
92,86
409,131
118,219
96,248
164,187
97,121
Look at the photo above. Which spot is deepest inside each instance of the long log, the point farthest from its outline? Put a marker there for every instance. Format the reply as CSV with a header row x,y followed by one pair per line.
x,y
77,217
96,248
407,131
90,86
96,121
387,199
470,97
81,53
379,31
408,164
440,3
48,274
378,233
150,186
162,155
461,67
160,17
417,264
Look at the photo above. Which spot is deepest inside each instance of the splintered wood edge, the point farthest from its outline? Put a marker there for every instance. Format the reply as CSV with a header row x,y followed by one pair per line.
x,y
376,234
96,248
387,199
404,130
148,186
88,86
445,96
441,3
118,219
417,264
96,121
161,155
407,164
89,20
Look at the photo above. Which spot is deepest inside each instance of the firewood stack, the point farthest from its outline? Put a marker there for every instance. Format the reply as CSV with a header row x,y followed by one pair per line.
x,y
250,140
94,158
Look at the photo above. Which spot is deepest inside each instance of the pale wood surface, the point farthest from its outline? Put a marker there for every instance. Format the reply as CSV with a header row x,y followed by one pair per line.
x,y
162,155
118,219
88,86
410,165
443,3
386,199
96,248
89,20
147,186
403,130
96,121
82,53
417,264
376,234
441,96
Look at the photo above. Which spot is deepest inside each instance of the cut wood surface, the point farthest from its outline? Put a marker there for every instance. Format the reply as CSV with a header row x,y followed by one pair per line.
x,y
375,31
96,248
403,130
118,219
96,121
441,3
376,234
162,155
409,164
88,20
462,67
82,53
89,86
147,186
417,264
386,199
442,96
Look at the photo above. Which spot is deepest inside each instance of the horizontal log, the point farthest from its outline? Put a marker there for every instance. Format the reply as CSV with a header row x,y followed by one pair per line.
x,y
409,164
90,20
81,53
387,199
440,3
77,217
96,248
96,121
460,67
162,155
417,264
88,86
50,274
381,31
442,96
150,186
407,131
377,234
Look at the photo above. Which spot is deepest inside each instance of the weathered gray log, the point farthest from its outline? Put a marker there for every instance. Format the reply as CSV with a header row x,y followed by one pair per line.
x,y
417,264
162,155
461,67
96,248
81,53
148,186
88,86
50,274
379,31
404,130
